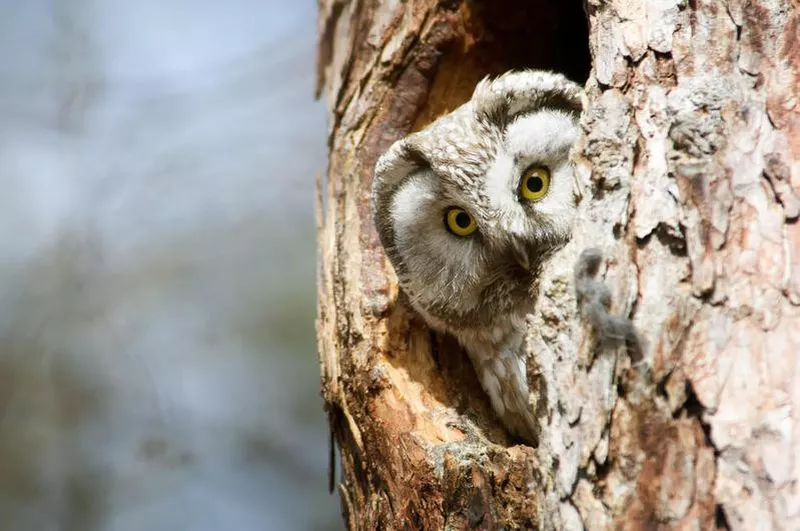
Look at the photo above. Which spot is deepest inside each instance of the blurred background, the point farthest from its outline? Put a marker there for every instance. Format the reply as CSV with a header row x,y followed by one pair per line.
x,y
158,368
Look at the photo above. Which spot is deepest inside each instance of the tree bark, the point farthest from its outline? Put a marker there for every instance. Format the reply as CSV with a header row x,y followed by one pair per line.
x,y
689,168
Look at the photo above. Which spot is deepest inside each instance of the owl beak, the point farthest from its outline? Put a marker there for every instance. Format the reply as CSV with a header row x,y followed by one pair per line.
x,y
520,252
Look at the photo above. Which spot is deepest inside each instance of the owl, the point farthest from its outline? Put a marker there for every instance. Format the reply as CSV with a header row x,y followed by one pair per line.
x,y
470,208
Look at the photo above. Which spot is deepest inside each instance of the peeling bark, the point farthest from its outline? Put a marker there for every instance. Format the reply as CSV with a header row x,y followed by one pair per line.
x,y
690,171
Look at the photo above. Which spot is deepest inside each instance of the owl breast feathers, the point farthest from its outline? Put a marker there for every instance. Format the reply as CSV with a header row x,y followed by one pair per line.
x,y
469,208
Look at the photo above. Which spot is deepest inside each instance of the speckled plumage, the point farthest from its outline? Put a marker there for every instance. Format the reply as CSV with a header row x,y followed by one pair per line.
x,y
481,287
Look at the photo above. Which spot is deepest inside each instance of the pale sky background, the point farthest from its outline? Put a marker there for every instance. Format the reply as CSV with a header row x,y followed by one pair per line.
x,y
158,369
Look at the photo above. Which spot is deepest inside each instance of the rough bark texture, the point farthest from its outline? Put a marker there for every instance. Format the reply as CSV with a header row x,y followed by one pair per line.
x,y
690,171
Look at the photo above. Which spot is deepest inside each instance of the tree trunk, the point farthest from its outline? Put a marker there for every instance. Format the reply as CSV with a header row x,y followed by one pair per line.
x,y
690,171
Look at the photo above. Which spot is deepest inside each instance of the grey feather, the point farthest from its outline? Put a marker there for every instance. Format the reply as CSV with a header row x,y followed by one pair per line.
x,y
480,287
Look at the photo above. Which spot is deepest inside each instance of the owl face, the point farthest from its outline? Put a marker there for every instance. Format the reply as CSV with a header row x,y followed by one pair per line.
x,y
469,208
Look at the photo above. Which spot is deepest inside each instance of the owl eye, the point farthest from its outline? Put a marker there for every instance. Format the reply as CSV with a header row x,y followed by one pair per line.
x,y
459,222
535,183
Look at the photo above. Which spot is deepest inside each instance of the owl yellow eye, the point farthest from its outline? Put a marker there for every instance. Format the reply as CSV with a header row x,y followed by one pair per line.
x,y
535,182
459,222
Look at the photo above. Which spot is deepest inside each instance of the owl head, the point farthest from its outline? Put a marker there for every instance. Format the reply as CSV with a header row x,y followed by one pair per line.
x,y
468,208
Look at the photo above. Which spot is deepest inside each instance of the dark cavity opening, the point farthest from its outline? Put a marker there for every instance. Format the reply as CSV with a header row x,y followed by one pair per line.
x,y
495,36
541,34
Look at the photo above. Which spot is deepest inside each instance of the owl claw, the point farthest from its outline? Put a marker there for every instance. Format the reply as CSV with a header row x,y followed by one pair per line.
x,y
594,301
